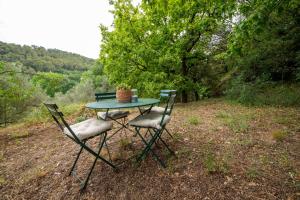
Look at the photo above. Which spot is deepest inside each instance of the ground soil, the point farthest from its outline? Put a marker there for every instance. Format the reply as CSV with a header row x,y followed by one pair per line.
x,y
223,151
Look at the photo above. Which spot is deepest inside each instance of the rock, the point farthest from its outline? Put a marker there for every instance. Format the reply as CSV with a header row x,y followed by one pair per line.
x,y
229,180
252,184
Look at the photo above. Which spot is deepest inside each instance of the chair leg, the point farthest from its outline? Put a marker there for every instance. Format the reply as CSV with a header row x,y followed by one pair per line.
x,y
77,157
164,143
108,138
169,133
149,148
156,142
102,141
108,152
124,124
147,132
170,150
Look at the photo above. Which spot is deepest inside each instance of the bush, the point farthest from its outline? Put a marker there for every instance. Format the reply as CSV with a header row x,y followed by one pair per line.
x,y
41,114
17,95
81,93
264,93
38,114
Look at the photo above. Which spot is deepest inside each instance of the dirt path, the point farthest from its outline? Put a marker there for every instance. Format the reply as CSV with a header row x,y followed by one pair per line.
x,y
224,151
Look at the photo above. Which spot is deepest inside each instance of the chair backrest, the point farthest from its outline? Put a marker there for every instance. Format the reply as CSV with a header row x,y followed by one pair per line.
x,y
170,96
59,119
105,95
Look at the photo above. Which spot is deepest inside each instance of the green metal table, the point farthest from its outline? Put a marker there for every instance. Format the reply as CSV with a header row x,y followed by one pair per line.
x,y
113,104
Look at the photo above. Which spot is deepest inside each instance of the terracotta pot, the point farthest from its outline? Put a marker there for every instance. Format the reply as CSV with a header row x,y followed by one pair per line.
x,y
124,96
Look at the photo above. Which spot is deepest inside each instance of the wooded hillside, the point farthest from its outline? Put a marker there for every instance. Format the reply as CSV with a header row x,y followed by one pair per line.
x,y
45,60
30,75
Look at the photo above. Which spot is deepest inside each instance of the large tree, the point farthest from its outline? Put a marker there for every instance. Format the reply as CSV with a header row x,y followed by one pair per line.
x,y
163,43
266,41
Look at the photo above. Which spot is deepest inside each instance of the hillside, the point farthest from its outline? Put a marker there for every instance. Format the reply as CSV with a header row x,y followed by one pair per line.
x,y
29,75
42,59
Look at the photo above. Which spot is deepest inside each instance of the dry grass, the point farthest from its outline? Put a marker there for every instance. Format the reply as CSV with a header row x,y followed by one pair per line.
x,y
224,151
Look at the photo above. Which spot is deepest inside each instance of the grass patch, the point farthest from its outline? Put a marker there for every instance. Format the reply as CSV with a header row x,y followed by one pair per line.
x,y
125,143
244,142
252,173
184,153
284,120
284,160
1,156
177,136
171,165
193,120
237,123
215,163
264,160
210,162
18,135
2,181
279,135
34,173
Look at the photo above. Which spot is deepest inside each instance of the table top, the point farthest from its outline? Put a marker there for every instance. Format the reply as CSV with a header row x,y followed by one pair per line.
x,y
113,104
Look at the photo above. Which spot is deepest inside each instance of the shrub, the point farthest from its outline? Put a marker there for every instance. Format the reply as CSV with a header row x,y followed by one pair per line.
x,y
38,114
264,93
81,93
41,114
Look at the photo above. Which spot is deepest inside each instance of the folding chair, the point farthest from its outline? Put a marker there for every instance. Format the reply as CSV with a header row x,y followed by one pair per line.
x,y
80,133
158,109
155,122
119,116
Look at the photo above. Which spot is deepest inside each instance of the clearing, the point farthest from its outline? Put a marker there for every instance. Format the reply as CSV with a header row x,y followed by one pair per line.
x,y
224,151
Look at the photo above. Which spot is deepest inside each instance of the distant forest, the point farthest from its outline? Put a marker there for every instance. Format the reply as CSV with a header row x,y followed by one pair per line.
x,y
30,75
52,70
44,60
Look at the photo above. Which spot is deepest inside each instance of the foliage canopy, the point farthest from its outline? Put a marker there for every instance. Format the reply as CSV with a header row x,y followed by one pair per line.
x,y
164,44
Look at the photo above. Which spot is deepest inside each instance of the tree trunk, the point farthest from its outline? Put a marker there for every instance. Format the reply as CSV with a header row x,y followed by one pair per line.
x,y
184,70
196,95
4,113
184,96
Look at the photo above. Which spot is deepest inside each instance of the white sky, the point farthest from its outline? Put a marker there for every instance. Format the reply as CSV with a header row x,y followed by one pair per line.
x,y
69,25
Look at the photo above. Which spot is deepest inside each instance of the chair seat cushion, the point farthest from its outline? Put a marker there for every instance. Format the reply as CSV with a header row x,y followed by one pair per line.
x,y
156,109
150,120
116,114
89,128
